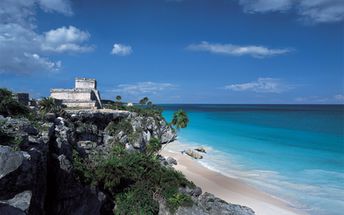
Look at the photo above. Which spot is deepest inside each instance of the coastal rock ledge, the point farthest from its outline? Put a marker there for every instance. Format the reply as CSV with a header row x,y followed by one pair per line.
x,y
37,168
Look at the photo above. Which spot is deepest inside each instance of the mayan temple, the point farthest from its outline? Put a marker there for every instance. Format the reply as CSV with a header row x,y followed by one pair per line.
x,y
84,95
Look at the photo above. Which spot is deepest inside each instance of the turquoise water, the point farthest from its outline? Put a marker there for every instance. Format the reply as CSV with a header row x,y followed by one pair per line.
x,y
294,152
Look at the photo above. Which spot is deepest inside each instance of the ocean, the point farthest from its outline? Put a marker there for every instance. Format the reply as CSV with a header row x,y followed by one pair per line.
x,y
293,152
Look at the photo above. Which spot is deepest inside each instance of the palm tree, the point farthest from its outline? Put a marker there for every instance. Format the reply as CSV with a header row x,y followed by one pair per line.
x,y
118,98
144,101
49,104
180,119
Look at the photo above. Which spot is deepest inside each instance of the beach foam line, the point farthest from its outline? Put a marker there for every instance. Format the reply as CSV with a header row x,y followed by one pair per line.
x,y
231,190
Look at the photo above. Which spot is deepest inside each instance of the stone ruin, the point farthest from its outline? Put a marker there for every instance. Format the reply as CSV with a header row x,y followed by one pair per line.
x,y
22,98
85,94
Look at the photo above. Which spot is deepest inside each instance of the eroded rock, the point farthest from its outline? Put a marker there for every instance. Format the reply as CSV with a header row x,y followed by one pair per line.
x,y
193,154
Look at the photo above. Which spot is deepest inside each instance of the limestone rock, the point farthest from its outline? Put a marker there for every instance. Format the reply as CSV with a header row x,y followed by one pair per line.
x,y
20,201
193,154
47,131
10,160
40,178
50,117
10,210
197,191
208,204
218,206
171,160
200,149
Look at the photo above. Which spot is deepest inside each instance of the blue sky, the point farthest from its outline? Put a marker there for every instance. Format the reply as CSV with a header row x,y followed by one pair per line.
x,y
177,51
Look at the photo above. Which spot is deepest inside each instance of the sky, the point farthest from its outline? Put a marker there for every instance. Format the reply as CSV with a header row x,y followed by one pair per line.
x,y
177,51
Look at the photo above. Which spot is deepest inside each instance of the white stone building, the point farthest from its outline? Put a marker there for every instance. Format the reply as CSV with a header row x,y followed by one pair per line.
x,y
84,95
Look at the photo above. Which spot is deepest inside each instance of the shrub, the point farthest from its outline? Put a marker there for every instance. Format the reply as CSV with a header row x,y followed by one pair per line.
x,y
49,104
153,146
132,179
11,107
121,125
137,199
5,93
177,200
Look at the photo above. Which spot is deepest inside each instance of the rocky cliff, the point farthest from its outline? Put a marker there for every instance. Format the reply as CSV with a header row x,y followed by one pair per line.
x,y
37,164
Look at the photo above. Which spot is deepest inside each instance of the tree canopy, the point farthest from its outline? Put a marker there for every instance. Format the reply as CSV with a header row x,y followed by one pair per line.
x,y
180,119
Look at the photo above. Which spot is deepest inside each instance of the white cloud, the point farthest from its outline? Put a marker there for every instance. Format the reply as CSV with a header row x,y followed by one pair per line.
x,y
20,50
121,49
235,50
322,11
335,99
23,11
261,85
66,40
312,99
252,6
313,11
339,97
61,6
143,88
23,49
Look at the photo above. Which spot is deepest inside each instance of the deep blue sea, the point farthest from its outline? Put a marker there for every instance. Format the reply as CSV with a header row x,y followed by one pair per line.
x,y
294,152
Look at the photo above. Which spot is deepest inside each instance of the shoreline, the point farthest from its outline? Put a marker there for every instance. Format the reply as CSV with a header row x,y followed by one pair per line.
x,y
232,190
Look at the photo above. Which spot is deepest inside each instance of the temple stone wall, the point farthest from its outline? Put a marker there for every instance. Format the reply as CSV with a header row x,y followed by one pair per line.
x,y
84,95
84,105
84,83
23,98
71,95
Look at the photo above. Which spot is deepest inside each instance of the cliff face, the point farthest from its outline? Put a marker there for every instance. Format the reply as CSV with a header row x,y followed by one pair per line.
x,y
37,175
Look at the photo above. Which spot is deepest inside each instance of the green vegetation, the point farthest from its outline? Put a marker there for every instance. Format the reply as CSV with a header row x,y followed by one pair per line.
x,y
153,111
136,181
144,101
118,104
136,200
118,98
11,107
153,147
179,199
15,143
121,125
180,119
49,105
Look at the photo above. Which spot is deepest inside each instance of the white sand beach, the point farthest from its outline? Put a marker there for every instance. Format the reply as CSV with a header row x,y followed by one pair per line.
x,y
231,190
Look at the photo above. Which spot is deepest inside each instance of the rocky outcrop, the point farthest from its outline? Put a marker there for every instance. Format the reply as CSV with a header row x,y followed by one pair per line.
x,y
37,175
171,161
36,159
206,204
193,154
23,168
200,149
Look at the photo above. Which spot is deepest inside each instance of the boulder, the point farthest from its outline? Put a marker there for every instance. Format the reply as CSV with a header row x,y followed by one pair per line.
x,y
23,181
168,135
200,149
193,154
10,160
20,201
171,161
208,204
10,210
197,191
215,205
50,117
47,131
